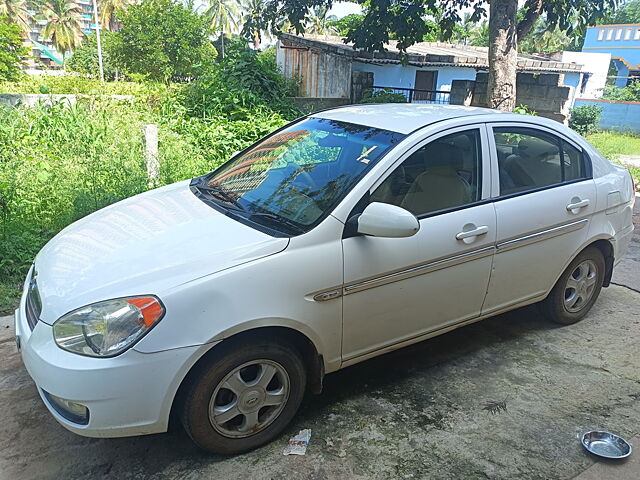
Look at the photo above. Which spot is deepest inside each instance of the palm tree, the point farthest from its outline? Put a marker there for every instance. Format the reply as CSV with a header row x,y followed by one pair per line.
x,y
108,10
318,22
17,12
542,39
223,15
63,26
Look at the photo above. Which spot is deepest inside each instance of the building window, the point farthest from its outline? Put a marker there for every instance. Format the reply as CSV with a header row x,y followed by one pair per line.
x,y
600,34
627,34
618,34
584,82
609,34
637,35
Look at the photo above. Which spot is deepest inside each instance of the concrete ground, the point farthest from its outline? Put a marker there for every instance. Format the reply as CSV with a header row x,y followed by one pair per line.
x,y
421,412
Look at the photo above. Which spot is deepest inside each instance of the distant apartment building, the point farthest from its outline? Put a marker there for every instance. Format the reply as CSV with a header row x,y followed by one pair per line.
x,y
43,52
623,43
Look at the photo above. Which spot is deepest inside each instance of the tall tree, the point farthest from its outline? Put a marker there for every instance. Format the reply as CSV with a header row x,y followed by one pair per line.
x,y
255,23
543,39
629,12
109,9
63,26
347,23
163,40
405,20
503,55
223,15
16,11
11,50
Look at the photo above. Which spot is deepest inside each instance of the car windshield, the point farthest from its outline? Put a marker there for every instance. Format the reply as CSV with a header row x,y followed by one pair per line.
x,y
291,180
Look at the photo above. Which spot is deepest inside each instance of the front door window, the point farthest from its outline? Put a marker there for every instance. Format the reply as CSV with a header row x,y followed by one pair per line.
x,y
443,175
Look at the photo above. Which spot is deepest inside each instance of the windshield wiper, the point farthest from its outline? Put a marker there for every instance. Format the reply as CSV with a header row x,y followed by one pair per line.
x,y
216,191
279,220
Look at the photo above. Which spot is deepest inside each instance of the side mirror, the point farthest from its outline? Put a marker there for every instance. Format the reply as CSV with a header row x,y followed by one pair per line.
x,y
384,220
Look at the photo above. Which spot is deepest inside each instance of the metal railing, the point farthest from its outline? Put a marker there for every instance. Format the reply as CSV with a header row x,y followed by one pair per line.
x,y
413,95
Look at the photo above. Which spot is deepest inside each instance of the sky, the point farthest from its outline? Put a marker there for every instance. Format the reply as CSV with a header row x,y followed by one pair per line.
x,y
342,9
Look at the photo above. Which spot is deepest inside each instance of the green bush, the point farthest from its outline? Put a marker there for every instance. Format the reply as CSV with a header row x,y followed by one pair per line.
x,y
382,96
525,110
585,118
85,58
630,93
76,84
59,163
239,85
12,50
163,40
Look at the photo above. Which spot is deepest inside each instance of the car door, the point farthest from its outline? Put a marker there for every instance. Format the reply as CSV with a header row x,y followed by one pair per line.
x,y
398,289
545,196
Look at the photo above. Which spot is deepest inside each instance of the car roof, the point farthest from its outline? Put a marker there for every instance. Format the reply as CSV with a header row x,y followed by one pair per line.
x,y
400,117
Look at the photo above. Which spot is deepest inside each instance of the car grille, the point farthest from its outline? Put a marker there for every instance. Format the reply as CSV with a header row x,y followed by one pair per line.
x,y
33,302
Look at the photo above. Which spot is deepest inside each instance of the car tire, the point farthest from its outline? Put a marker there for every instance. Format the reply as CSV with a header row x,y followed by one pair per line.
x,y
239,375
577,289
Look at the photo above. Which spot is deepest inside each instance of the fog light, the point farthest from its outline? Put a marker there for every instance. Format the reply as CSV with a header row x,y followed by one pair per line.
x,y
72,411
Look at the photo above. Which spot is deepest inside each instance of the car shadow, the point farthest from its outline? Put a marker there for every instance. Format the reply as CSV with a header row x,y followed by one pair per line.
x,y
417,359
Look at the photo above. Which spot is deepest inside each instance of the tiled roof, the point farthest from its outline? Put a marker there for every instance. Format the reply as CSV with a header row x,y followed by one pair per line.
x,y
424,54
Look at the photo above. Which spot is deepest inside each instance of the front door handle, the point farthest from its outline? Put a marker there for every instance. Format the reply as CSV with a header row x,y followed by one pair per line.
x,y
473,233
578,205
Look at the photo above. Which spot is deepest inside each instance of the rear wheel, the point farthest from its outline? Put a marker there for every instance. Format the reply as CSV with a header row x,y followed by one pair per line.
x,y
577,288
243,398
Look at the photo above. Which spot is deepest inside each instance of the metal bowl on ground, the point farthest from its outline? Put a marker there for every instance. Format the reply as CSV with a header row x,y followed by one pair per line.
x,y
605,444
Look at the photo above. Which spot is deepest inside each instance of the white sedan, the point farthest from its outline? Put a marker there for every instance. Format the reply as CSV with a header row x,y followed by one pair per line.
x,y
344,235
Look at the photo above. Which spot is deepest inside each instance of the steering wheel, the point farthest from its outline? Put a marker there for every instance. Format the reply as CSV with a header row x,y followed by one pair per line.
x,y
302,174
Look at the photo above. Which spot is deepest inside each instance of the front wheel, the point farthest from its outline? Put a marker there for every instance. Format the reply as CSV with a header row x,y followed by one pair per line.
x,y
577,288
243,398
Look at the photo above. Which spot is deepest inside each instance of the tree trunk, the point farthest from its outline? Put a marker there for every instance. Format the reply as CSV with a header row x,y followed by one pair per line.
x,y
503,55
222,41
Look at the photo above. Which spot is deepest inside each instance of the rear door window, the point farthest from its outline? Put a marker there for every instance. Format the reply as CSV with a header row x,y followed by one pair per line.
x,y
530,159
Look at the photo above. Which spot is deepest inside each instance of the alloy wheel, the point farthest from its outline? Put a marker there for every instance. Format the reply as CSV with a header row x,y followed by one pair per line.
x,y
580,286
249,398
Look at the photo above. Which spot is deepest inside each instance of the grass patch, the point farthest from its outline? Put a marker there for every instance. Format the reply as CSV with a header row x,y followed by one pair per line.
x,y
59,162
71,84
9,297
613,144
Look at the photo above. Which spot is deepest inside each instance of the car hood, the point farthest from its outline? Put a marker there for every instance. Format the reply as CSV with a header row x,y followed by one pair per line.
x,y
143,245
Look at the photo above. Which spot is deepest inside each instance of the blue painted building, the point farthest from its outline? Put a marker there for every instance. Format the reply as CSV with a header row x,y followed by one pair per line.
x,y
400,76
620,116
623,43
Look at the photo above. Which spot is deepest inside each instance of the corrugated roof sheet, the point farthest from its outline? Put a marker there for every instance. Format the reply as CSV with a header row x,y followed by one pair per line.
x,y
425,54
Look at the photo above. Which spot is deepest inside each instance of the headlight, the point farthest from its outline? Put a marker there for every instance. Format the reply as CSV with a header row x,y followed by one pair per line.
x,y
105,329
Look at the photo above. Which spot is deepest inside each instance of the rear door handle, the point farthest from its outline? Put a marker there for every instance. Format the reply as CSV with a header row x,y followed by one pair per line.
x,y
578,205
473,233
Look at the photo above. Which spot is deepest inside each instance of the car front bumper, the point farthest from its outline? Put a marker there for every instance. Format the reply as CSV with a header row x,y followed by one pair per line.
x,y
130,394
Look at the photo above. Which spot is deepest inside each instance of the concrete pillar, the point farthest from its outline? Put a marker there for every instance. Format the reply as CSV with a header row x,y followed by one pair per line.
x,y
150,140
